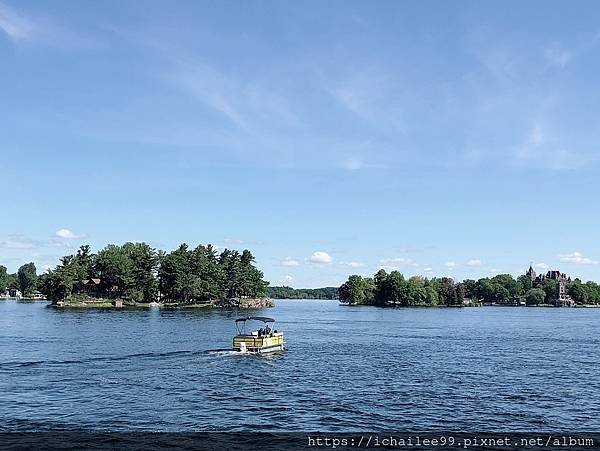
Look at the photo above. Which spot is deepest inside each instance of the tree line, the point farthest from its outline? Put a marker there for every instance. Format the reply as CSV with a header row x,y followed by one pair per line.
x,y
285,292
393,289
25,280
137,272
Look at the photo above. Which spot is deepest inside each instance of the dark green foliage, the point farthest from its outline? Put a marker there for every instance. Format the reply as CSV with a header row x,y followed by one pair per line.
x,y
535,296
3,279
394,290
27,278
302,293
584,293
137,272
550,287
357,291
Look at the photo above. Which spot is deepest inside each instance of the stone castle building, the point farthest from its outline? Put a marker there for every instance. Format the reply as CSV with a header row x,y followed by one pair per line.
x,y
561,298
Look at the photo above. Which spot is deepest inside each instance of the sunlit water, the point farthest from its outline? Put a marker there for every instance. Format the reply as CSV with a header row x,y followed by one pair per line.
x,y
347,368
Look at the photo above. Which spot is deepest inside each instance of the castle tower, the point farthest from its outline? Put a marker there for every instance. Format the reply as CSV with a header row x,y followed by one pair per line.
x,y
531,273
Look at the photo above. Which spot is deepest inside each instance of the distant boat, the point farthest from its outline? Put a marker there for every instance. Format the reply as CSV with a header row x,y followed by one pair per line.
x,y
261,341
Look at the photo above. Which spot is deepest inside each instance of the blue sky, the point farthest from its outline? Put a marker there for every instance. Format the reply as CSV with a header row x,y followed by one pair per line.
x,y
330,138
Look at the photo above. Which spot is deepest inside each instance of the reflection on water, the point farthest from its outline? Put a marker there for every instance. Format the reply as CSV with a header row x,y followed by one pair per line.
x,y
346,369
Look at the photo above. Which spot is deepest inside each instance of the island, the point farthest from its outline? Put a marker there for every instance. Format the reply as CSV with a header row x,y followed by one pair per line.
x,y
138,275
552,289
284,292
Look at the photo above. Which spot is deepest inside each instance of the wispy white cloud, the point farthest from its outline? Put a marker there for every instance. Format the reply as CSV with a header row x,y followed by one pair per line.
x,y
231,241
287,279
58,243
26,28
541,266
352,264
15,25
68,234
474,262
395,264
19,242
289,261
577,258
368,94
321,258
248,104
558,56
451,264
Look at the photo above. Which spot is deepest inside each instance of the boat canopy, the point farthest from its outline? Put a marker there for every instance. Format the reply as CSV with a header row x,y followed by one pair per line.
x,y
264,319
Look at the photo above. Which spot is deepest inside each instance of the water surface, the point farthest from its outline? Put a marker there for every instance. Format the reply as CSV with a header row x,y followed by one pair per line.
x,y
347,369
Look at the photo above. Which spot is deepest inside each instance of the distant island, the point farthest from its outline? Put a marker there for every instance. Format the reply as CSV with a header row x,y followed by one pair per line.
x,y
302,293
136,274
394,290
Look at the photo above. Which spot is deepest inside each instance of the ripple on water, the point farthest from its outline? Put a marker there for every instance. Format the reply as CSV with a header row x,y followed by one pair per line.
x,y
346,369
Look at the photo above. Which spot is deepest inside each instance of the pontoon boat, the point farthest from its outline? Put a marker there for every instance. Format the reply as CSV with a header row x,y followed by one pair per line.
x,y
266,339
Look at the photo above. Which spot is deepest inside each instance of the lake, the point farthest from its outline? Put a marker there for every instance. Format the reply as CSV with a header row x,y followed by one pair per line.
x,y
347,369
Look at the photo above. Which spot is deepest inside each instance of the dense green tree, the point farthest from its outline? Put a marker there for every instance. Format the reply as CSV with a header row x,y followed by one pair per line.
x,y
141,282
357,291
592,290
303,293
27,276
114,267
509,284
524,282
550,287
394,290
381,293
535,296
470,287
3,279
12,281
137,272
578,292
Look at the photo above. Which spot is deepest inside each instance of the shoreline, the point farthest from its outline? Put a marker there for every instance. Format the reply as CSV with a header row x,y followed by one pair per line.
x,y
102,303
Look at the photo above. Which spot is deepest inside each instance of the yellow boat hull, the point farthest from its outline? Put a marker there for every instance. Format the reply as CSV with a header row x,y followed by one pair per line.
x,y
259,345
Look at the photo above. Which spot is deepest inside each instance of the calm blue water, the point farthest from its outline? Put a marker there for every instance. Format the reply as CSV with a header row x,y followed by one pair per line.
x,y
347,368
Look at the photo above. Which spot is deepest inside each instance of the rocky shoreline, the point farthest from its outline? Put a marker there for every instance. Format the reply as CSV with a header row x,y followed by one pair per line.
x,y
230,303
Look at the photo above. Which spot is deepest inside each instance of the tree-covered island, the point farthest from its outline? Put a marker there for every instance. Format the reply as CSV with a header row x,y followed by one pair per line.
x,y
394,290
136,273
285,292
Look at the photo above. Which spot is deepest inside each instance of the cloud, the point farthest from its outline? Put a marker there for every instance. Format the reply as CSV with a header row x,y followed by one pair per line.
x,y
355,164
428,269
68,234
474,262
290,262
233,241
287,279
541,266
370,95
394,264
41,30
352,264
577,258
451,265
320,257
248,104
58,243
19,242
558,56
16,26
